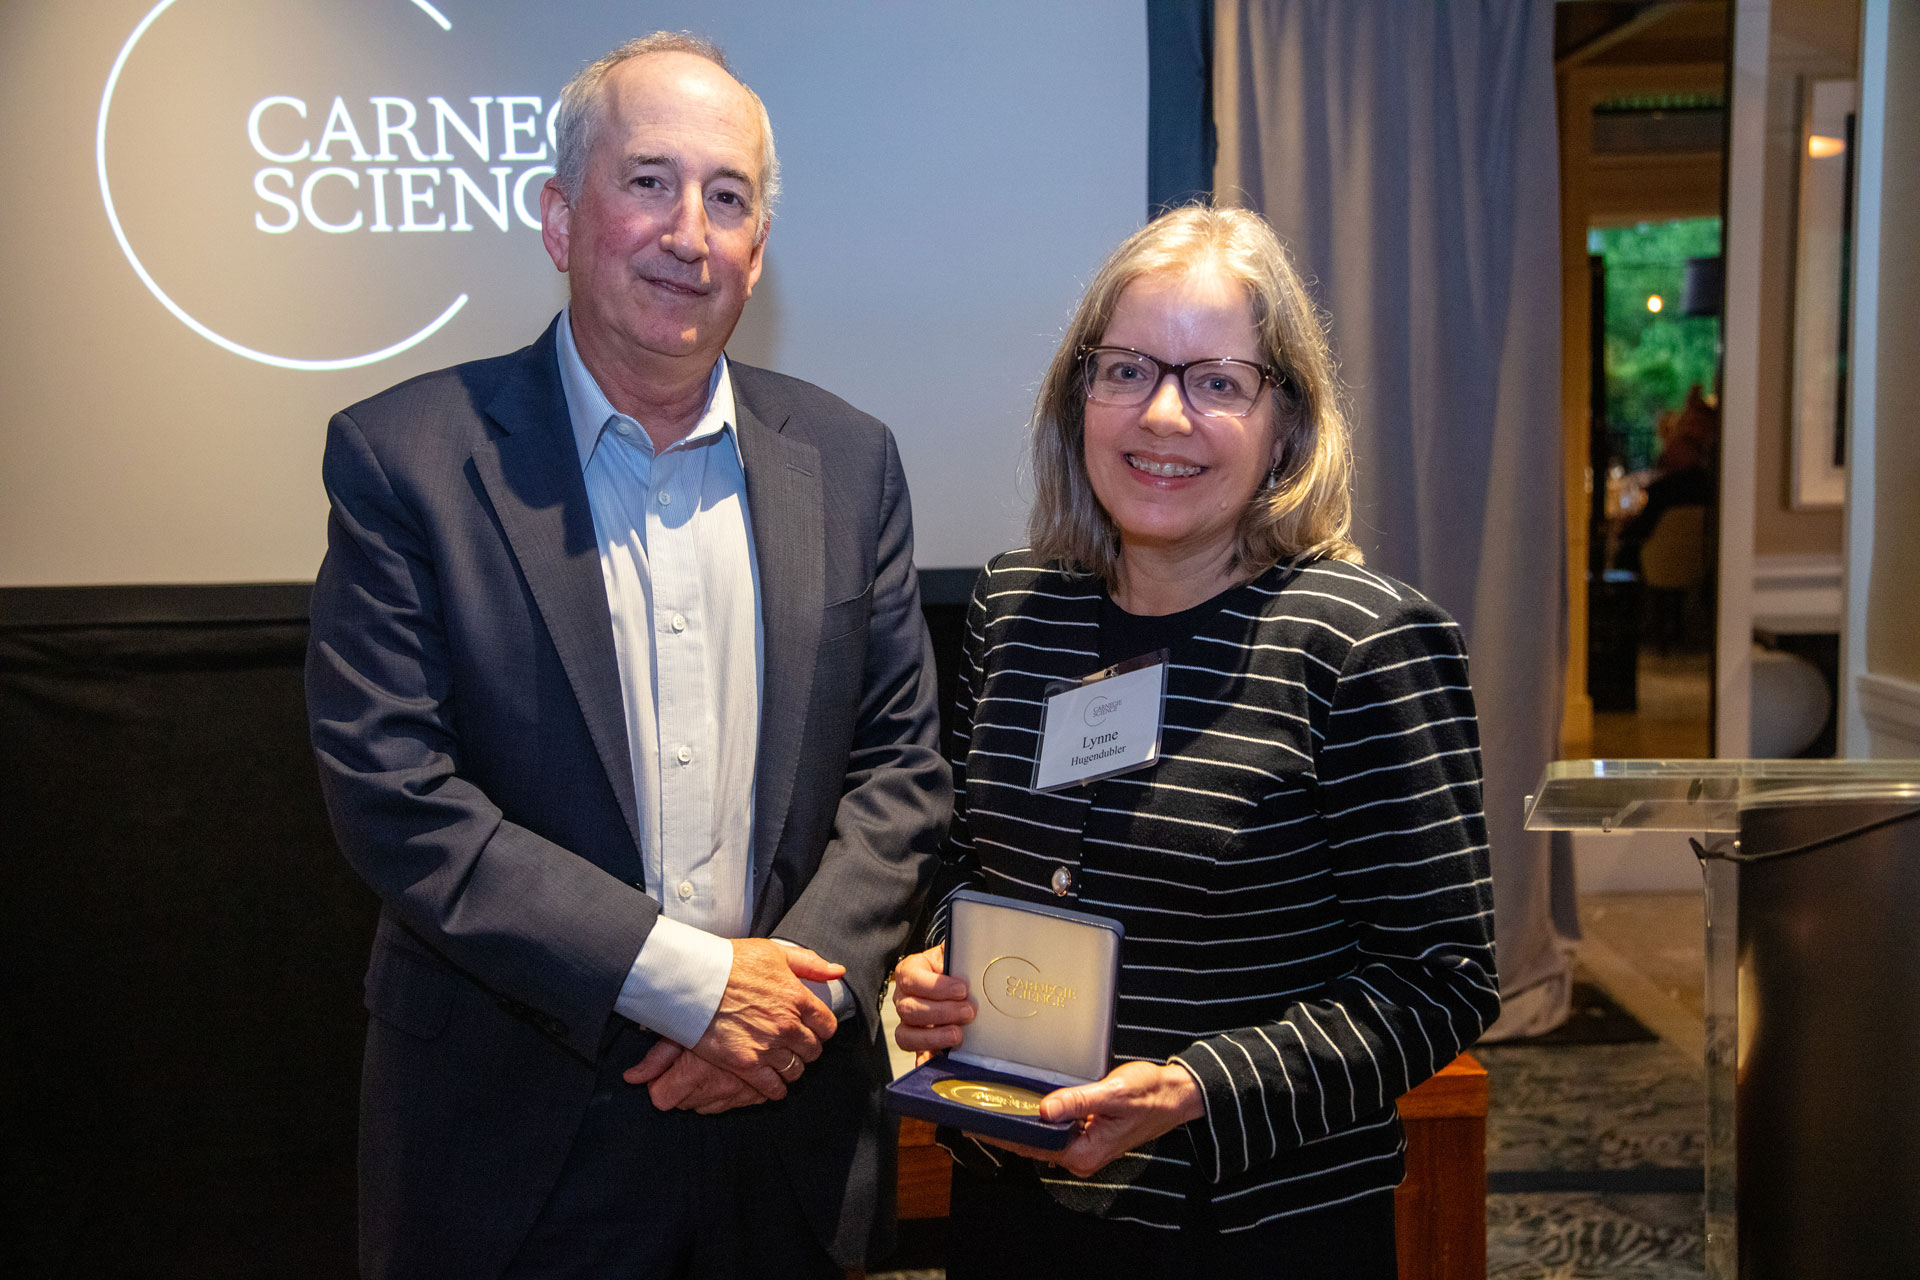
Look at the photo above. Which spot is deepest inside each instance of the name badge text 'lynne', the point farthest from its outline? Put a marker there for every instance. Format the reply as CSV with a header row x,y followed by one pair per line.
x,y
1097,729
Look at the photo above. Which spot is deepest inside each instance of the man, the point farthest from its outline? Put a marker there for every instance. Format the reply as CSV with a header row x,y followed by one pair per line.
x,y
617,675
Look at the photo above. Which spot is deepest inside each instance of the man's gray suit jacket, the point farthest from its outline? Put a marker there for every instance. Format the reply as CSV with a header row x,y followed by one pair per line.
x,y
466,713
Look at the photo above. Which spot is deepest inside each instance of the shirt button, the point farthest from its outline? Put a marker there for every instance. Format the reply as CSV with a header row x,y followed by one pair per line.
x,y
679,622
665,499
684,755
1062,881
685,891
623,428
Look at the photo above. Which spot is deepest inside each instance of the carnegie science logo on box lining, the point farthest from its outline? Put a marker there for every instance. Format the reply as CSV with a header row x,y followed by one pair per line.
x,y
269,206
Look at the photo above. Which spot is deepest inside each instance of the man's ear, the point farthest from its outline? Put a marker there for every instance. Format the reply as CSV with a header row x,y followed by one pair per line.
x,y
759,256
556,224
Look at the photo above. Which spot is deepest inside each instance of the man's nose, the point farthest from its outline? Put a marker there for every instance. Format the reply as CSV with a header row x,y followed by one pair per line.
x,y
686,237
1165,413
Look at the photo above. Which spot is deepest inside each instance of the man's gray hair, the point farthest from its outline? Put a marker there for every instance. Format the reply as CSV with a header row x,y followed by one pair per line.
x,y
579,114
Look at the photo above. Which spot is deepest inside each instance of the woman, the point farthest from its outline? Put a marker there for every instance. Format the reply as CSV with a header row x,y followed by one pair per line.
x,y
1303,872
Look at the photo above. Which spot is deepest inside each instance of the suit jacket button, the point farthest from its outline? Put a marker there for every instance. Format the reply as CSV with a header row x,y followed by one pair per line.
x,y
1062,881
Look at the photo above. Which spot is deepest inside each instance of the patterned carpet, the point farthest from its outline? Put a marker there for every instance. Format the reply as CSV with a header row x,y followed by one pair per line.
x,y
1573,1236
1594,1160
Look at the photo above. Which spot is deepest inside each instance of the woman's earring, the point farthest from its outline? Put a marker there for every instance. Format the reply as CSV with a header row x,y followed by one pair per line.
x,y
1273,478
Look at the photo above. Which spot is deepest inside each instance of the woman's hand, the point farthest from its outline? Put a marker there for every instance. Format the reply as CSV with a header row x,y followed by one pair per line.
x,y
932,1005
1134,1103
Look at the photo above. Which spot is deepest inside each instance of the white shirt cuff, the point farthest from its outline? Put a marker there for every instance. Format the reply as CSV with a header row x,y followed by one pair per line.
x,y
835,994
676,981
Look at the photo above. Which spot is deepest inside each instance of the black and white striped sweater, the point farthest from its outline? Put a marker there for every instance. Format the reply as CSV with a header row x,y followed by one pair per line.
x,y
1303,874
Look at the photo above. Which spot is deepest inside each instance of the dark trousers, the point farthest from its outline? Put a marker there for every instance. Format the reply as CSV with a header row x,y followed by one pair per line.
x,y
1008,1227
650,1195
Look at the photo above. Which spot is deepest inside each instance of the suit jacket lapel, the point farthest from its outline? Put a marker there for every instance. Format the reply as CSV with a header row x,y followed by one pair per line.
x,y
787,508
532,477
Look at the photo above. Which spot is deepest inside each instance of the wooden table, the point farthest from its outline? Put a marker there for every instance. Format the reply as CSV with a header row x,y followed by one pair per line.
x,y
1440,1211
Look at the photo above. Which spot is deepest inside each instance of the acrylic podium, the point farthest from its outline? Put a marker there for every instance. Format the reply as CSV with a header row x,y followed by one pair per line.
x,y
1812,1000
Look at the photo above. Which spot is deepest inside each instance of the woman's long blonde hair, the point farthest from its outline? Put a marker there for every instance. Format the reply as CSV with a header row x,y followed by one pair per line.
x,y
1308,509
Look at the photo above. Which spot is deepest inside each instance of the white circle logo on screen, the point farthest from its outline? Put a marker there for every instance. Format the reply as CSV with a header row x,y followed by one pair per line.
x,y
452,308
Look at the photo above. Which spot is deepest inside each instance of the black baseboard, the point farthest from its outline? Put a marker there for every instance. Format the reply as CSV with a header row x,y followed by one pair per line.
x,y
149,605
1647,1180
163,604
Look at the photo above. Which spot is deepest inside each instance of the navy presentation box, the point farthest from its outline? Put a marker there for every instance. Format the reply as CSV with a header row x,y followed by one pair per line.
x,y
1042,981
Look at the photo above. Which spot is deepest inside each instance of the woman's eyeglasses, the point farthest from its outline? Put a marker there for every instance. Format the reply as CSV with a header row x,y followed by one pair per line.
x,y
1221,388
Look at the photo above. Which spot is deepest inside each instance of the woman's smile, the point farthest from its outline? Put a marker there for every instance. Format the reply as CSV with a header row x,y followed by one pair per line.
x,y
1176,482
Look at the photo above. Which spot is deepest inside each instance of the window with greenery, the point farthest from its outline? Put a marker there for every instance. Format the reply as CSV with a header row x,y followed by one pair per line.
x,y
1653,352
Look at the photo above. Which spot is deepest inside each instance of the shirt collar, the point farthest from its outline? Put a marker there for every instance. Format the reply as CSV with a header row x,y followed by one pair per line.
x,y
591,411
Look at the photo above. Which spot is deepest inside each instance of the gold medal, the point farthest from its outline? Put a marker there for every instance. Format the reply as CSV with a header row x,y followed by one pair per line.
x,y
990,1097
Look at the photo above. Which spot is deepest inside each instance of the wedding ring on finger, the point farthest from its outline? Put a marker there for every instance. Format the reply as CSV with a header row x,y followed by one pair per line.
x,y
793,1060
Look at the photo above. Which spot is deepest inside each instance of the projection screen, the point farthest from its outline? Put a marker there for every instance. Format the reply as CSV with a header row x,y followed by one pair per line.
x,y
233,217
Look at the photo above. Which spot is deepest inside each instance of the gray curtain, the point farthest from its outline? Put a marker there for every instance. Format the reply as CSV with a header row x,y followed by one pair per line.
x,y
1406,151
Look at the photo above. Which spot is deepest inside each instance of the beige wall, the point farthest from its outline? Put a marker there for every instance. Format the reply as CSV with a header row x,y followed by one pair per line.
x,y
1622,190
1807,38
1893,608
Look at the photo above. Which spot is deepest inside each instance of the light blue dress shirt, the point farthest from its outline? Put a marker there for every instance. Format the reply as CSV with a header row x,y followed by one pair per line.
x,y
683,590
676,555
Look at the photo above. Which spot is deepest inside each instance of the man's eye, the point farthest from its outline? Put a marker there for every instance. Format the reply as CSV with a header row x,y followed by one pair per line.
x,y
647,181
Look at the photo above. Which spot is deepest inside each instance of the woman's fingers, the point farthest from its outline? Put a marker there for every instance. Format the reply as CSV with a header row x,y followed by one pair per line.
x,y
928,1039
1078,1100
1129,1087
932,1005
1112,1094
933,1013
1134,1103
919,976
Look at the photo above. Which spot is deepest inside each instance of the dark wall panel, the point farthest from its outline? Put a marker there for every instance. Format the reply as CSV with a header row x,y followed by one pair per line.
x,y
183,948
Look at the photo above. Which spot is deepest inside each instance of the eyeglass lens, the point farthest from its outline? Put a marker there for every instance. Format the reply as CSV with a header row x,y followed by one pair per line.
x,y
1219,387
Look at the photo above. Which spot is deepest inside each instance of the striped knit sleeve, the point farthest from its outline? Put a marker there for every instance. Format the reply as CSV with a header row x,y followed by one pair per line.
x,y
958,864
1398,790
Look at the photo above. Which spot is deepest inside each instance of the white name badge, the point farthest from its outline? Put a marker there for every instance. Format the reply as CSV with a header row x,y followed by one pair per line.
x,y
1106,724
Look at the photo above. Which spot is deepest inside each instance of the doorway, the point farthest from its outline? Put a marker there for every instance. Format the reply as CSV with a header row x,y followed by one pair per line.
x,y
1653,452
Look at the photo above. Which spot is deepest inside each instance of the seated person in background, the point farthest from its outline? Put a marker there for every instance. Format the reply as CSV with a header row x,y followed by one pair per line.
x,y
1684,475
1303,872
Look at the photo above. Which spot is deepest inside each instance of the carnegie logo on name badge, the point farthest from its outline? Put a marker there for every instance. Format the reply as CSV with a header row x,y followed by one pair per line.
x,y
1102,726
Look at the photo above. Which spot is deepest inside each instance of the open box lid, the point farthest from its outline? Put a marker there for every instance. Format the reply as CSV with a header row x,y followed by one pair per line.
x,y
1042,979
